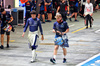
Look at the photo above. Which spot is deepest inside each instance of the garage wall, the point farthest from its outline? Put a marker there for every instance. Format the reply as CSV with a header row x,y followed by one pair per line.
x,y
9,2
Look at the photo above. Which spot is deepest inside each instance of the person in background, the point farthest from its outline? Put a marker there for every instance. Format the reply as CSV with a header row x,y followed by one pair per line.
x,y
62,10
42,11
28,6
88,12
75,11
34,5
9,6
48,3
5,18
97,4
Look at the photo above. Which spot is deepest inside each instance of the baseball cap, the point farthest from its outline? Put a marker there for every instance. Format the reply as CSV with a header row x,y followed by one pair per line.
x,y
33,12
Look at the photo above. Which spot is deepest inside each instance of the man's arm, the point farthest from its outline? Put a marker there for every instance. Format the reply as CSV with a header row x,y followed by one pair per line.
x,y
25,28
58,9
47,3
40,27
67,30
84,10
11,19
91,10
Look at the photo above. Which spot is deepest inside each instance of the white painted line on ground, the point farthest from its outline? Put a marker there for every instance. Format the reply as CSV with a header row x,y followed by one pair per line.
x,y
88,60
72,25
97,31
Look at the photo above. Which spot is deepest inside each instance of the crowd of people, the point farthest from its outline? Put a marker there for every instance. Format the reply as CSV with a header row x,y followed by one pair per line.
x,y
67,8
64,10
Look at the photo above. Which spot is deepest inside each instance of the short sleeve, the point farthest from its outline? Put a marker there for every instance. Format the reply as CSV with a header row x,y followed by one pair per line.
x,y
66,25
54,26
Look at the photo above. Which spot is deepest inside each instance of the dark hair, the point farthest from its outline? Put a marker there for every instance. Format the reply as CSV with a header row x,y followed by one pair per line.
x,y
9,6
33,12
0,6
2,9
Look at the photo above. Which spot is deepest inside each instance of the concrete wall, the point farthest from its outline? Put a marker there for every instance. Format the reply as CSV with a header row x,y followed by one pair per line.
x,y
9,2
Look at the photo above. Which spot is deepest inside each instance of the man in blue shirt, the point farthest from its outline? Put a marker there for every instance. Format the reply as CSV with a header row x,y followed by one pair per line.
x,y
5,17
48,3
42,11
33,24
75,9
60,28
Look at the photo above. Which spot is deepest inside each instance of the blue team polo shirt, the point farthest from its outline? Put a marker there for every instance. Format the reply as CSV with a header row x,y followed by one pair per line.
x,y
62,27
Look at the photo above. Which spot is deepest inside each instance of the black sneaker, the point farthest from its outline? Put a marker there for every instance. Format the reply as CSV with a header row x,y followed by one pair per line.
x,y
2,47
53,60
76,20
64,60
48,21
70,19
86,27
90,26
7,45
43,22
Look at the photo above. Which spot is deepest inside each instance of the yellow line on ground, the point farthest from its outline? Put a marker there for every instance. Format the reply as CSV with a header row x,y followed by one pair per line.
x,y
10,40
79,29
39,51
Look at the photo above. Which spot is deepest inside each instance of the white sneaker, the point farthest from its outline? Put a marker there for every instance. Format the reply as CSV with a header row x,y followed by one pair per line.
x,y
34,59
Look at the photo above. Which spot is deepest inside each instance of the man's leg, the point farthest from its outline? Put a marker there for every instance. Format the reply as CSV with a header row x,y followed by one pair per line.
x,y
87,21
64,53
55,51
64,16
53,60
34,46
2,39
38,16
72,15
90,21
75,15
50,16
8,38
43,17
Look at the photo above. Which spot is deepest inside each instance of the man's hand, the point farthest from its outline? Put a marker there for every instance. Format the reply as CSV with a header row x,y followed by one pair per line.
x,y
39,4
67,12
91,14
63,33
9,21
59,32
49,3
42,38
23,34
54,31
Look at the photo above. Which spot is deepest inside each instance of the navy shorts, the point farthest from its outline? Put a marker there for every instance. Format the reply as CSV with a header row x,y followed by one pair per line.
x,y
49,10
3,32
41,12
75,9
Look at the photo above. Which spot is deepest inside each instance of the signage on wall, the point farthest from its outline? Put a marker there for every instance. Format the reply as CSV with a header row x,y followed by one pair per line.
x,y
23,1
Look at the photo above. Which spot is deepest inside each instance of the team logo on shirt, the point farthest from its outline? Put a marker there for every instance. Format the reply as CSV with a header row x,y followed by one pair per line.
x,y
30,22
35,23
28,4
62,26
